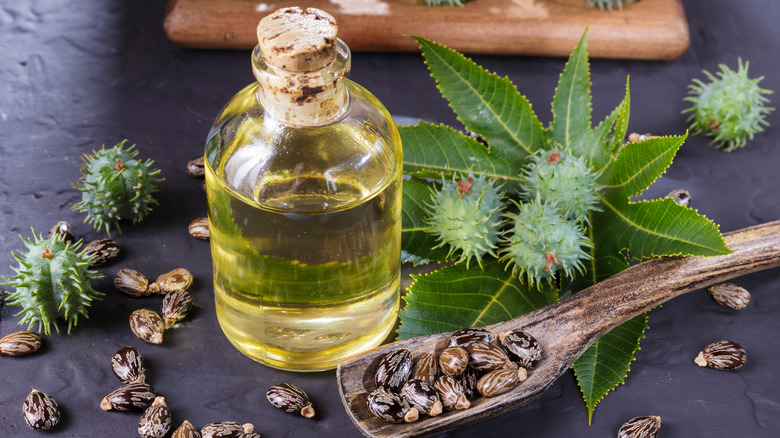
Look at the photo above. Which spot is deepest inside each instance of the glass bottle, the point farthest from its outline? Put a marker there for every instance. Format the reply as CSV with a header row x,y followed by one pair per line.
x,y
303,178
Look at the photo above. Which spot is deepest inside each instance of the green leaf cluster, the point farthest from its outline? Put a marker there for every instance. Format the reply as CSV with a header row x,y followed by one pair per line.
x,y
490,106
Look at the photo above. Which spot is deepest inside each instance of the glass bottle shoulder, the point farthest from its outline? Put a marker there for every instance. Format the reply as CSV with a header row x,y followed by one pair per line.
x,y
304,169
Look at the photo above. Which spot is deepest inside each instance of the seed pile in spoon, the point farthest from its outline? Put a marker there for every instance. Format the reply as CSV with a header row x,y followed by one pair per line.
x,y
475,362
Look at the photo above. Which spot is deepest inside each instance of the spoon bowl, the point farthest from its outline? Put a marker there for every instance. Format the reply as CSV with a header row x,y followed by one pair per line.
x,y
564,329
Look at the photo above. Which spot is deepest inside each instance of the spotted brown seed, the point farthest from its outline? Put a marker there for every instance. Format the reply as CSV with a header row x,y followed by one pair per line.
x,y
199,228
500,381
451,393
730,295
640,427
722,355
521,347
101,251
394,370
186,430
128,397
147,325
426,368
196,167
41,411
487,357
469,380
250,435
156,420
453,360
465,337
225,429
177,279
390,407
20,343
175,307
290,398
64,229
422,397
128,365
131,282
635,137
680,196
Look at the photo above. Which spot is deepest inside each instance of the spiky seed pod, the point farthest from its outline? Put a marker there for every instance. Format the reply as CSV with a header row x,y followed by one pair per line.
x,y
729,108
609,4
52,281
542,243
115,186
558,178
465,215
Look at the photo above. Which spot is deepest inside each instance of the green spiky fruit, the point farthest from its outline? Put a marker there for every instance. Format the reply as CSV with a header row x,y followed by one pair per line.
x,y
558,178
116,186
541,243
465,215
730,108
52,282
609,4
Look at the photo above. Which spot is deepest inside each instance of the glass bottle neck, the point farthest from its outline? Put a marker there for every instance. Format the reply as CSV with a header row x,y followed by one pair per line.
x,y
300,99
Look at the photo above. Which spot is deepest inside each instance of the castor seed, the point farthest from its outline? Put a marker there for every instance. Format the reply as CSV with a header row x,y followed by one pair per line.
x,y
128,365
451,393
635,137
290,398
680,196
196,167
453,360
390,407
186,430
394,370
20,343
465,337
175,307
640,427
177,279
101,251
147,325
250,435
132,283
199,228
730,295
422,397
469,380
64,229
225,429
40,411
487,357
722,355
521,347
500,381
156,420
426,368
130,396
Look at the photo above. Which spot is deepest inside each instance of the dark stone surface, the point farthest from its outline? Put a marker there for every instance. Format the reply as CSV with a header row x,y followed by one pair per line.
x,y
75,75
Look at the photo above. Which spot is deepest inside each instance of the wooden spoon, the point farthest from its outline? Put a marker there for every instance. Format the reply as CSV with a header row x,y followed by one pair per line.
x,y
565,329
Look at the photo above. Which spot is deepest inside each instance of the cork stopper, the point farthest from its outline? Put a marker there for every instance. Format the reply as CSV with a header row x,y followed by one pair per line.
x,y
298,40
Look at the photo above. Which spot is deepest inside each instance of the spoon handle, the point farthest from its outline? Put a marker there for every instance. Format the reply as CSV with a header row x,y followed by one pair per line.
x,y
589,314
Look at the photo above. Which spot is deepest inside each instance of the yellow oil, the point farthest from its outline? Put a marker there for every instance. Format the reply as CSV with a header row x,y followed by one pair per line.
x,y
306,262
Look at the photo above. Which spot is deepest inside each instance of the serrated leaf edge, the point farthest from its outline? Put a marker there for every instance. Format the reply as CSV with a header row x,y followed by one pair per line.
x,y
519,143
592,409
672,205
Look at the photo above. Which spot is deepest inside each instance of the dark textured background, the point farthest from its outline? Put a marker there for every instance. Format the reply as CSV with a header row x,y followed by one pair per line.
x,y
77,74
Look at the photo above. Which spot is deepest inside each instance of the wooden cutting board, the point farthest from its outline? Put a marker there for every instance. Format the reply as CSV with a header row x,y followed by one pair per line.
x,y
650,29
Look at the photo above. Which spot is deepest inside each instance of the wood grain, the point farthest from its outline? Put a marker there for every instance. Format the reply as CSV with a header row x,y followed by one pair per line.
x,y
567,328
650,29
